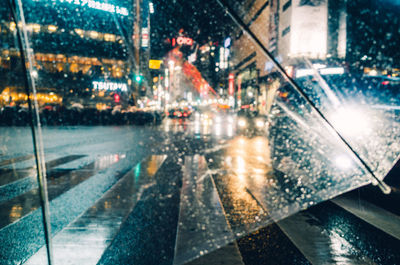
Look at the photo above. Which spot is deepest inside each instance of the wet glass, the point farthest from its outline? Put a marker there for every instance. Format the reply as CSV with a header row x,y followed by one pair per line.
x,y
96,163
177,127
22,230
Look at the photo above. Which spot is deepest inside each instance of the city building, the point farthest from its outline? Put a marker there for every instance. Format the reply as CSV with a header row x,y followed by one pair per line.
x,y
322,32
248,64
99,75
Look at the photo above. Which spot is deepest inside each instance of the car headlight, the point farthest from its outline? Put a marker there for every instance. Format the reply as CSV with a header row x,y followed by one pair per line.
x,y
260,123
242,123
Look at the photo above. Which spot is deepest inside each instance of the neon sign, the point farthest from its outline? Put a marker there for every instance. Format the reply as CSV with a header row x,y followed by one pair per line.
x,y
145,37
110,86
183,41
99,6
227,42
231,88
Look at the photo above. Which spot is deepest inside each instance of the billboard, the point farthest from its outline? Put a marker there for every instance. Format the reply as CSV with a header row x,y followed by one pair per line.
x,y
309,29
155,64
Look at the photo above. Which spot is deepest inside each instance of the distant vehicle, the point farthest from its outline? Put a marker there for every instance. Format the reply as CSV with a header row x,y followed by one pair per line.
x,y
250,123
385,88
178,113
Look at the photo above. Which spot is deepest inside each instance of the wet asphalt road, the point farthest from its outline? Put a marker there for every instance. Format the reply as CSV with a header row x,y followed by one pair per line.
x,y
109,191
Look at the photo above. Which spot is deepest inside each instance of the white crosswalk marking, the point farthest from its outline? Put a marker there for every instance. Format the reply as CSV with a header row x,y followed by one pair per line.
x,y
202,226
374,215
318,245
84,240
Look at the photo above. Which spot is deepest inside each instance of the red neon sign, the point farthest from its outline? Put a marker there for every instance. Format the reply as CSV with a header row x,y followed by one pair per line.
x,y
231,79
184,41
239,96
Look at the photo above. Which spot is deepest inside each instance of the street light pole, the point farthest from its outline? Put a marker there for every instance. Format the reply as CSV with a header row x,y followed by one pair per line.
x,y
137,38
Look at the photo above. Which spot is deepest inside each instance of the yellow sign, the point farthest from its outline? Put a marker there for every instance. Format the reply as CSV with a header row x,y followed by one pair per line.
x,y
155,64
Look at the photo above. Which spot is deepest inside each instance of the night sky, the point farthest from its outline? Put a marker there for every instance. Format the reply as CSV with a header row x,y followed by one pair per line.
x,y
201,20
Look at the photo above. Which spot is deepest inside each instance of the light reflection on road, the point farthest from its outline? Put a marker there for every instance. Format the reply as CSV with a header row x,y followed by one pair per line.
x,y
202,125
247,164
245,167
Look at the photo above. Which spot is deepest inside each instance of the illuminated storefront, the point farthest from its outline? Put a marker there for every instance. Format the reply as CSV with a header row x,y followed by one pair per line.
x,y
63,69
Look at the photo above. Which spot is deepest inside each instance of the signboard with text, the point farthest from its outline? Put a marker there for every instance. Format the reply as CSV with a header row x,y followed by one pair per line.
x,y
103,6
182,41
109,86
145,37
231,80
155,64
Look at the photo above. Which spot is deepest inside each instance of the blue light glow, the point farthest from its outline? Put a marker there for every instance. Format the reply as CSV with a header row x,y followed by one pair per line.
x,y
110,8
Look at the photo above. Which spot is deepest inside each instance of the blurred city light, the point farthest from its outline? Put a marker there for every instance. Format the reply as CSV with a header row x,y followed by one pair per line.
x,y
351,121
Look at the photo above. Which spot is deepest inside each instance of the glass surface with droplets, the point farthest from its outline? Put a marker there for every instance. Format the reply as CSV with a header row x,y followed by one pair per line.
x,y
124,100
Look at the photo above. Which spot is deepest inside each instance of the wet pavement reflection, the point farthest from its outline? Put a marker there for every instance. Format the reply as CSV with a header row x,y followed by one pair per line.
x,y
84,240
202,224
59,181
203,125
246,165
254,194
234,182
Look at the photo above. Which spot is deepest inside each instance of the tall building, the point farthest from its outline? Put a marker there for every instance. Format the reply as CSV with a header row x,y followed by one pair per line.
x,y
80,48
322,31
330,30
248,63
303,29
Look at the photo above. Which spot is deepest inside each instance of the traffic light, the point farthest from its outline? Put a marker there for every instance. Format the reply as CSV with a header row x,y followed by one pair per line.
x,y
116,98
138,78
